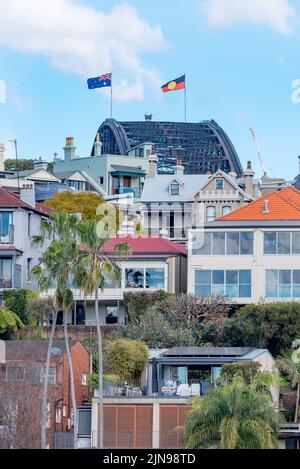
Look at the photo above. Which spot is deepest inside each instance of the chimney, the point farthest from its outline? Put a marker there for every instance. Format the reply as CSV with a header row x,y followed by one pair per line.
x,y
153,160
249,176
69,149
266,207
98,146
2,151
40,164
233,175
27,194
179,168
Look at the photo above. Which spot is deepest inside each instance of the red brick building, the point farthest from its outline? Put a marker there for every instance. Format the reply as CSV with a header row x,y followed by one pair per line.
x,y
22,369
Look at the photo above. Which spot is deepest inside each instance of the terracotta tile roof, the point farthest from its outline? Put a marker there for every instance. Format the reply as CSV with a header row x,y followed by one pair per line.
x,y
282,205
144,245
11,200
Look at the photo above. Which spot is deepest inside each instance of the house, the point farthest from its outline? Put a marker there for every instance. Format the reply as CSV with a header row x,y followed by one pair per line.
x,y
20,219
252,254
153,264
153,415
22,370
115,174
172,204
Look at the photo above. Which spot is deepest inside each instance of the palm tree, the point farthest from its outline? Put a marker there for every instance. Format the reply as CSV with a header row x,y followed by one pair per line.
x,y
57,264
235,415
89,275
291,367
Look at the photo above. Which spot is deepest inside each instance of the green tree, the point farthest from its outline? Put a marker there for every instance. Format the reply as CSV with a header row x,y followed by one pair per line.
x,y
126,358
57,264
86,203
289,365
9,321
270,326
246,369
89,275
237,415
17,300
21,165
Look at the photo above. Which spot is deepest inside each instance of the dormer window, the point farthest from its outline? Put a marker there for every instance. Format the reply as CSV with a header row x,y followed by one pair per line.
x,y
175,188
219,184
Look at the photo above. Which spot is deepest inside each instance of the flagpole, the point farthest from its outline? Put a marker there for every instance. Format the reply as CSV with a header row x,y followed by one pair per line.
x,y
185,99
111,98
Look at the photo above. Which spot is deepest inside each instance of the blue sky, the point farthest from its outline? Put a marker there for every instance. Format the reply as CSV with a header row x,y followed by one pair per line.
x,y
240,64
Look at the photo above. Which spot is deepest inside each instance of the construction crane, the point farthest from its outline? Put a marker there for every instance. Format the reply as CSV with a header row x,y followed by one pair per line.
x,y
252,131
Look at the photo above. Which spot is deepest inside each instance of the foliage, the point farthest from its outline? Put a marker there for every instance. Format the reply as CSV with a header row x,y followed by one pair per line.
x,y
126,358
272,326
289,365
192,309
22,165
157,331
85,203
136,303
17,300
9,321
39,310
247,370
237,415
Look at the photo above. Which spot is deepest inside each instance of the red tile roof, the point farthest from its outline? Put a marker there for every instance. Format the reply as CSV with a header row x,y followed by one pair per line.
x,y
11,200
282,205
143,245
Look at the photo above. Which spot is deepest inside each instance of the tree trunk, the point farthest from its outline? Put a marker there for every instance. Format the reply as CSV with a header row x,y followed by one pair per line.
x,y
297,402
46,379
72,384
100,373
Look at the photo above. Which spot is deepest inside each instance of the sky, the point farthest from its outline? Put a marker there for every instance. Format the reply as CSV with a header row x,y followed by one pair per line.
x,y
241,59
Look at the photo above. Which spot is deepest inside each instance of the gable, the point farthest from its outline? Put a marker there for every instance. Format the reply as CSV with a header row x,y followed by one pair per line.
x,y
42,175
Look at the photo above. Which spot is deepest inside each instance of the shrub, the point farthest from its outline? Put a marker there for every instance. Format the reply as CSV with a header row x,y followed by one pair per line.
x,y
247,370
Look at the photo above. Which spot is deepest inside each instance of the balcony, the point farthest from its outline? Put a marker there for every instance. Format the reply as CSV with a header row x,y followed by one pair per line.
x,y
158,388
9,237
127,190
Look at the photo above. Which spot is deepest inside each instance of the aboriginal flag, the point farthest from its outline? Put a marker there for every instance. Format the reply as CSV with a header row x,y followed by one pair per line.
x,y
174,85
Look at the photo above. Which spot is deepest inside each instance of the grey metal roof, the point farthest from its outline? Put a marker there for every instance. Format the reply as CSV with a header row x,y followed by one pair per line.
x,y
66,174
157,190
207,352
128,169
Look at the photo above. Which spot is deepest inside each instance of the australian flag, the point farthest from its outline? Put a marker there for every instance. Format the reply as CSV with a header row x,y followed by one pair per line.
x,y
100,82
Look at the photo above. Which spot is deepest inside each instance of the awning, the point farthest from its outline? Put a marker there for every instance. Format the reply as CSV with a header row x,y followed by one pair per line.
x,y
127,171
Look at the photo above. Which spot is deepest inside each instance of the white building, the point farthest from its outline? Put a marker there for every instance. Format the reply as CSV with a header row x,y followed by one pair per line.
x,y
252,254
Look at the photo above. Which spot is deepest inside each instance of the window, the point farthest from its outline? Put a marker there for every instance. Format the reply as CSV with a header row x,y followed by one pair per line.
x,y
174,188
282,242
64,411
5,227
223,243
230,283
219,184
57,415
152,278
51,376
29,223
210,214
29,260
5,273
112,316
155,278
134,278
15,373
226,210
84,379
101,180
284,284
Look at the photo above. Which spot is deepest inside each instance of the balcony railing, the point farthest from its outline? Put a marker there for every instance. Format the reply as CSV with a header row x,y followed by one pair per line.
x,y
8,238
4,283
127,190
165,388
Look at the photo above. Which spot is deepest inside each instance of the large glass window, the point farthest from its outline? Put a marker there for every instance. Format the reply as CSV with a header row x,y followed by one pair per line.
x,y
223,243
134,278
155,278
230,283
211,214
282,242
5,273
5,227
283,284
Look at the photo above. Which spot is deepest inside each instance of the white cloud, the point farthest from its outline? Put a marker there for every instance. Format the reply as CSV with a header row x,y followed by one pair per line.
x,y
277,14
82,40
